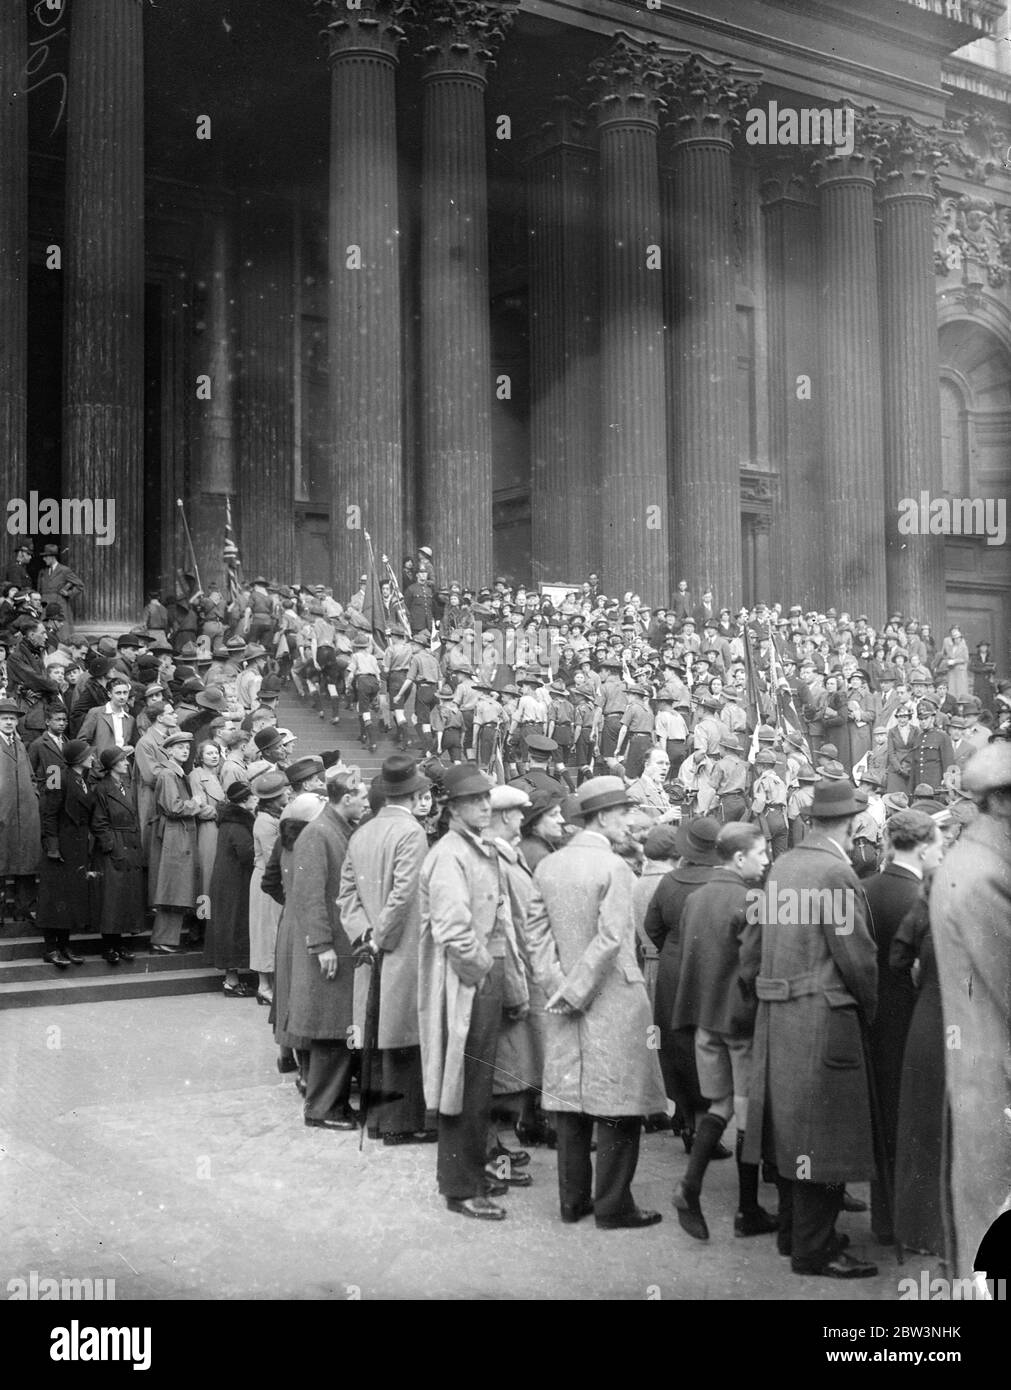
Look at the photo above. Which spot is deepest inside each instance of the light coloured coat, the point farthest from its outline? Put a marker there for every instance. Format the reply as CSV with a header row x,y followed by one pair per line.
x,y
319,1008
379,890
580,933
970,922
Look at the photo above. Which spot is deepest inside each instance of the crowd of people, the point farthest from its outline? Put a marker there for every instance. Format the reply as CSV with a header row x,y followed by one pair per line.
x,y
681,868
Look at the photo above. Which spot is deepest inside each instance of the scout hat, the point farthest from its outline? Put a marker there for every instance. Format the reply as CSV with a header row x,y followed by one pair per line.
x,y
732,742
765,758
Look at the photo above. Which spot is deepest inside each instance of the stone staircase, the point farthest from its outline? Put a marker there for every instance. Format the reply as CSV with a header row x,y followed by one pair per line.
x,y
27,981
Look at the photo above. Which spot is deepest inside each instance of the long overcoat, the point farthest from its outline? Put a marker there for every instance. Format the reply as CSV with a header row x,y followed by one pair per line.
x,y
264,912
66,897
809,1090
319,1008
282,861
970,917
581,936
519,1054
118,856
380,882
20,831
173,867
663,927
233,866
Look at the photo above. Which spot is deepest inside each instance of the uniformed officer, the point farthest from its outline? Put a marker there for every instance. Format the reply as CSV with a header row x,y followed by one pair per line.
x,y
932,750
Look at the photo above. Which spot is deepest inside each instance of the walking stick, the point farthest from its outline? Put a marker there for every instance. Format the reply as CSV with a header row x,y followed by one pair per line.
x,y
189,542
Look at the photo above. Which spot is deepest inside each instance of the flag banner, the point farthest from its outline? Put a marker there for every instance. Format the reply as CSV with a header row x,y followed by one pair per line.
x,y
789,719
373,607
230,557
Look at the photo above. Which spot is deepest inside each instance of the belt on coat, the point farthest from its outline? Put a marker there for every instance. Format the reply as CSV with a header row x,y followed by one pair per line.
x,y
778,991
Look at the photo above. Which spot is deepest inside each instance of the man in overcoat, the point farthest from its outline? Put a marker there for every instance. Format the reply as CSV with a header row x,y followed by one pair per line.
x,y
970,920
379,904
321,993
465,931
599,1065
809,1107
20,829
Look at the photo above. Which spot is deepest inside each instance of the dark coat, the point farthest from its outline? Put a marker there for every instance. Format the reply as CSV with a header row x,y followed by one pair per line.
x,y
810,1099
233,868
899,762
720,951
932,756
319,1008
43,754
663,927
66,899
19,811
118,856
890,896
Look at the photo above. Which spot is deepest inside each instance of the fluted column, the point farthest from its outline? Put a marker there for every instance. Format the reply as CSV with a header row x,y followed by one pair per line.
x,y
851,366
365,313
103,391
265,481
13,245
634,505
214,470
458,39
912,403
705,101
795,384
564,348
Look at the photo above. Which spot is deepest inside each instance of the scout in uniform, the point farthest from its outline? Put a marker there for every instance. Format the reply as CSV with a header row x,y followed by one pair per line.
x,y
769,803
729,780
637,727
447,725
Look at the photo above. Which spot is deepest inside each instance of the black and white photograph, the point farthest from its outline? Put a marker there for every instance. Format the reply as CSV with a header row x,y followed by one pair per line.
x,y
505,663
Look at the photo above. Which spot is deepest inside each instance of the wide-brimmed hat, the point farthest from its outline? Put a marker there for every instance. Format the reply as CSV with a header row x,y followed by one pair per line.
x,y
834,800
400,776
423,639
731,742
212,698
603,794
696,840
765,758
302,769
871,777
253,651
461,780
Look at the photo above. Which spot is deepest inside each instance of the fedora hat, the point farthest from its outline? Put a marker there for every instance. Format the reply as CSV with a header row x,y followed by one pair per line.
x,y
400,776
696,840
603,794
302,769
461,780
834,800
212,698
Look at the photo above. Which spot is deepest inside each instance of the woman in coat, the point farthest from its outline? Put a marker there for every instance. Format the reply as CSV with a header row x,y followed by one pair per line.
x,y
983,669
233,868
272,790
172,870
118,854
953,664
276,883
206,788
65,893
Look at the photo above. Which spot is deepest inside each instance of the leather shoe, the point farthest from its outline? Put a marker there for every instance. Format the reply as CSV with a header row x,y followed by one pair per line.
x,y
631,1221
755,1223
721,1151
478,1207
286,1062
575,1211
339,1122
111,957
56,958
72,956
519,1158
840,1266
163,950
852,1203
690,1212
500,1173
125,954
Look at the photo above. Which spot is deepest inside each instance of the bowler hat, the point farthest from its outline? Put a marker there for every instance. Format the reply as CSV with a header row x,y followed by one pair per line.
x,y
400,776
267,738
834,800
461,780
696,840
603,794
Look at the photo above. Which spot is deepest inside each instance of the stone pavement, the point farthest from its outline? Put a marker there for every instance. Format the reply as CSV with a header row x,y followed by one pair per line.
x,y
153,1142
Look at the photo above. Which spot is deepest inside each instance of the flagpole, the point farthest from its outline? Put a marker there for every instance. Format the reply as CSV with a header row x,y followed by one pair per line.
x,y
189,541
374,573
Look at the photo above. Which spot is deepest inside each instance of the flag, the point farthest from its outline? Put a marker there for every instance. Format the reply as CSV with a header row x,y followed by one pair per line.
x,y
786,706
373,607
230,557
754,692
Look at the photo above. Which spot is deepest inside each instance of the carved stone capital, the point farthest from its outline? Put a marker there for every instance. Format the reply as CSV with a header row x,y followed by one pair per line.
x,y
626,85
863,163
566,126
461,36
376,28
910,155
706,100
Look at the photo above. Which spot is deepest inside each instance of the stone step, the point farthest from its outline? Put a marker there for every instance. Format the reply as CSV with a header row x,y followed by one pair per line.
x,y
117,983
316,735
14,972
28,947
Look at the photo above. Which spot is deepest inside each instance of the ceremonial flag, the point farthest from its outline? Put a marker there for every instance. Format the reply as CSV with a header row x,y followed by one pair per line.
x,y
230,557
373,607
786,707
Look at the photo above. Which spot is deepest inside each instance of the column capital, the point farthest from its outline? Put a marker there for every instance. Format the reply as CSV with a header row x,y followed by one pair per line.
x,y
911,155
461,36
376,28
625,86
861,165
706,99
566,126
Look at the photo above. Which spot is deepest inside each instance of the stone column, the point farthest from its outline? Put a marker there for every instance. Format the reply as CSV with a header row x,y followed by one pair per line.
x,y
365,353
851,366
214,423
564,348
13,245
459,39
633,500
795,385
265,480
912,404
103,393
705,101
